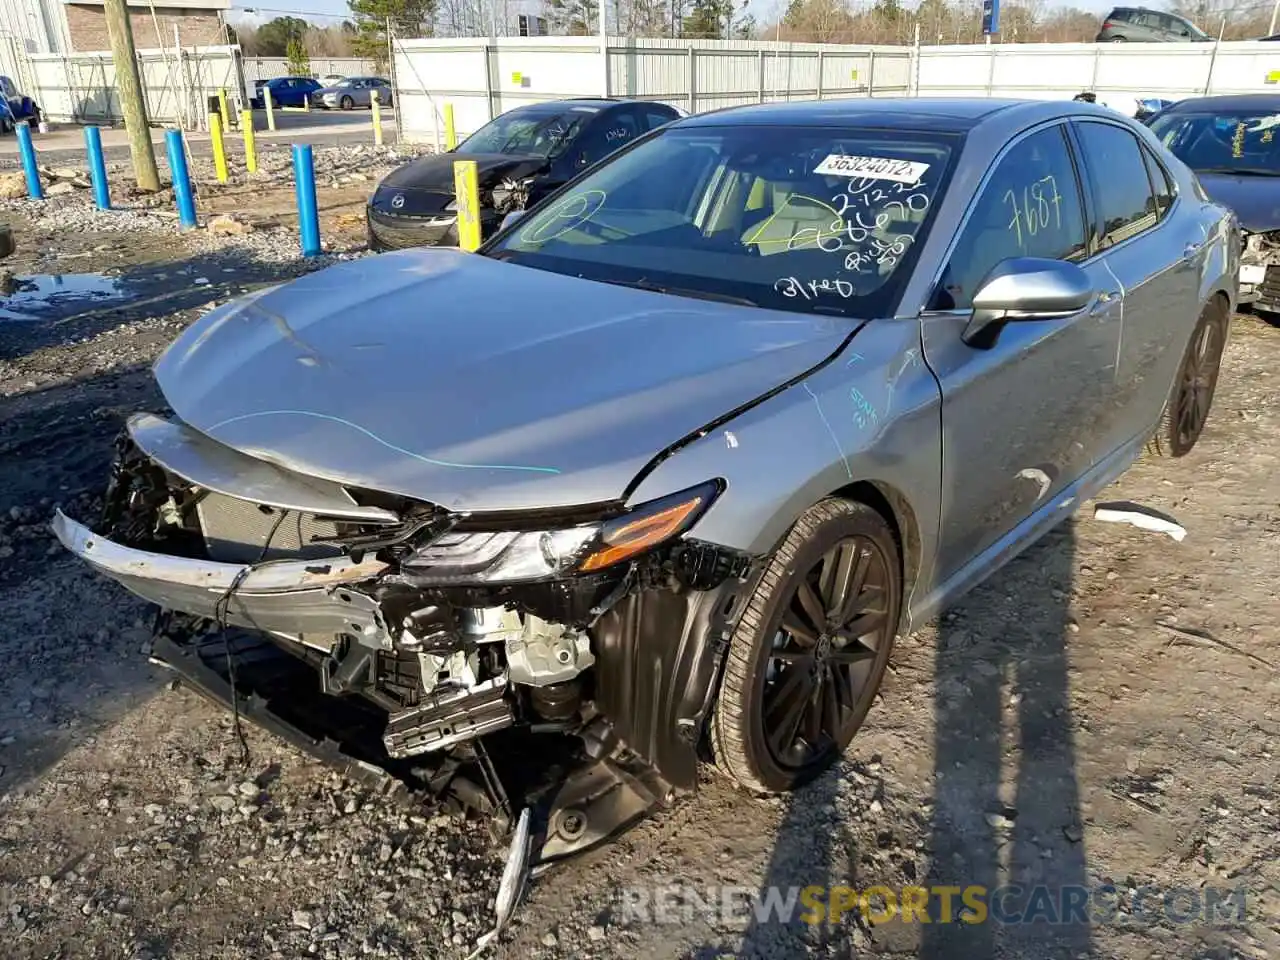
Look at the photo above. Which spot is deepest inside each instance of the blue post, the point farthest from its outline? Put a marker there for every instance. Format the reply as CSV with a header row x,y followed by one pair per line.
x,y
181,179
34,190
97,168
304,185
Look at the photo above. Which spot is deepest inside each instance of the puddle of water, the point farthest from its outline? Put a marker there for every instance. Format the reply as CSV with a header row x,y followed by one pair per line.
x,y
61,296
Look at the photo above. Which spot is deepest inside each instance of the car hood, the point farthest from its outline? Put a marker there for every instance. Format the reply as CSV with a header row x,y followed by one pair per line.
x,y
434,173
476,384
1255,200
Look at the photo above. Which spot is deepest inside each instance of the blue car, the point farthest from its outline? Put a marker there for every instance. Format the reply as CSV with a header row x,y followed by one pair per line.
x,y
15,106
285,91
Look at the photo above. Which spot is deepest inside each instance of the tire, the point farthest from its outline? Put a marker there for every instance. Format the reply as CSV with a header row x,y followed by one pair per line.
x,y
1191,397
833,535
1119,39
347,103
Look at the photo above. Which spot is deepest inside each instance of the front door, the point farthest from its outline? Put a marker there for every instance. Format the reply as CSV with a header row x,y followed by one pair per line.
x,y
1020,418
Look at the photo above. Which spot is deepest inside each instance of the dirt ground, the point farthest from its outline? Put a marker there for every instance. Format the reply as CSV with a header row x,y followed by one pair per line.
x,y
1100,712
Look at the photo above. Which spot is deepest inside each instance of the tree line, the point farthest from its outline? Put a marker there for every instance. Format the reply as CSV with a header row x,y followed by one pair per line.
x,y
810,21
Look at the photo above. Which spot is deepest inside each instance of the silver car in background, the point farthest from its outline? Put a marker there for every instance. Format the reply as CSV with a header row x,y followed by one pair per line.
x,y
351,92
667,465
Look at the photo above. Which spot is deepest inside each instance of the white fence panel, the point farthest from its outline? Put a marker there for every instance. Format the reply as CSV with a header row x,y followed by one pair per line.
x,y
268,68
1117,73
482,80
82,87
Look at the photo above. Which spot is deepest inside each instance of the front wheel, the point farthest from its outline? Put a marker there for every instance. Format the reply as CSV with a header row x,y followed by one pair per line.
x,y
810,650
347,103
1187,409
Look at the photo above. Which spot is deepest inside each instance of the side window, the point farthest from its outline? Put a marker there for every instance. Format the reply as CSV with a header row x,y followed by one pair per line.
x,y
1029,208
657,118
1161,186
1126,205
604,136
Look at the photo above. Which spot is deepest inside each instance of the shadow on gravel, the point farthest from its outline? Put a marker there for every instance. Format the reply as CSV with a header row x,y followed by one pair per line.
x,y
73,642
1001,678
1008,824
49,309
56,445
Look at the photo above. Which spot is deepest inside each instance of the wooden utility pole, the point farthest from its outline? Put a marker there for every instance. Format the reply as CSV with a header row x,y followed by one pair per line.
x,y
132,103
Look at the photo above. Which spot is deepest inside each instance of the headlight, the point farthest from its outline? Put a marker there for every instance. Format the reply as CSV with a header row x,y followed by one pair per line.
x,y
514,557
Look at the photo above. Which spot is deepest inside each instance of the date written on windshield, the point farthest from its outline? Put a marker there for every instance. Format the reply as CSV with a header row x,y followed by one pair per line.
x,y
813,289
1035,207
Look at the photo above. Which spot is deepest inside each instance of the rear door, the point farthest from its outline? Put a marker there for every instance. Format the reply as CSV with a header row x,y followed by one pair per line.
x,y
1154,260
1019,418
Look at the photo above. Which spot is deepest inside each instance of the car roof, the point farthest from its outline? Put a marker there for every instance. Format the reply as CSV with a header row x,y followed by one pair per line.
x,y
1231,103
951,114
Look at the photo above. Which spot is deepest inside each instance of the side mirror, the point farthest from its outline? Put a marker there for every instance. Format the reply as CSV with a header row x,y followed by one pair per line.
x,y
511,218
1025,288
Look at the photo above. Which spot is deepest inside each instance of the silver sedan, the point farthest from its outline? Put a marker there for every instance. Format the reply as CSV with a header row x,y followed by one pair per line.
x,y
670,462
352,92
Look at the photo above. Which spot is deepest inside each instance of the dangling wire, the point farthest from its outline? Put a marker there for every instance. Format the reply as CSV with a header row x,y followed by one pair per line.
x,y
220,619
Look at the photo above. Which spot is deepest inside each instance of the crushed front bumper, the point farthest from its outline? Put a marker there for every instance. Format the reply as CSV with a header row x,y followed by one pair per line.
x,y
290,597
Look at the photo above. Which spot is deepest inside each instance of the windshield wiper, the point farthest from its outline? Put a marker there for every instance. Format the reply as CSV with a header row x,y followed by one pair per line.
x,y
1242,171
646,284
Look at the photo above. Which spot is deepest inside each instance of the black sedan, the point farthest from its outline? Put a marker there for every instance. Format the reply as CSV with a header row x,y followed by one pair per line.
x,y
520,156
1233,145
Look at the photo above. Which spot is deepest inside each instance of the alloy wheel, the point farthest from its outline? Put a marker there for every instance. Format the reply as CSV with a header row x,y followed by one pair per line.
x,y
1199,377
823,668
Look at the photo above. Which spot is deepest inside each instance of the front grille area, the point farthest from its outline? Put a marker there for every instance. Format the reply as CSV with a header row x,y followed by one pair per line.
x,y
236,531
1269,289
397,233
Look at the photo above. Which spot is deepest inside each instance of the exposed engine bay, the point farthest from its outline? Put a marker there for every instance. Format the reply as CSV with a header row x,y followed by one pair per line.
x,y
417,647
1260,270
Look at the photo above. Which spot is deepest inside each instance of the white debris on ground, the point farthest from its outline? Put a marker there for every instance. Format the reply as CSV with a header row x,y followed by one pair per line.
x,y
1144,518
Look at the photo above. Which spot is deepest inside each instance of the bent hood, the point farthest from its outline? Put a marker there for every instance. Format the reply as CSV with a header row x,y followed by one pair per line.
x,y
434,173
475,384
1255,200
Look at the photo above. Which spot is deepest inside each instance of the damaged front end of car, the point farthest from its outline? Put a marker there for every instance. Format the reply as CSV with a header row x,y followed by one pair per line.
x,y
418,647
1260,270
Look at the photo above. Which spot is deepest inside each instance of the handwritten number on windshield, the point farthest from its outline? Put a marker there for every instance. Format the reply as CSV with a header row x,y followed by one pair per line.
x,y
812,289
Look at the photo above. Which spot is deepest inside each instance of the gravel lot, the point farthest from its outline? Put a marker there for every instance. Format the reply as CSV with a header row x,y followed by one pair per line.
x,y
1102,710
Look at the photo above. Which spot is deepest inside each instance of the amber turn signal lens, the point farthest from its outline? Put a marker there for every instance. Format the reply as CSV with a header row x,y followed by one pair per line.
x,y
641,534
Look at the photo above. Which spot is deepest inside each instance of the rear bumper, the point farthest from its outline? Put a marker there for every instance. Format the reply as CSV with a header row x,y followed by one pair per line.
x,y
290,598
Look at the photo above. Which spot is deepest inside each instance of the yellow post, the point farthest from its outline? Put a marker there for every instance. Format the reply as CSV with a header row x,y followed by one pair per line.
x,y
466,190
219,149
271,113
450,131
223,109
250,146
377,118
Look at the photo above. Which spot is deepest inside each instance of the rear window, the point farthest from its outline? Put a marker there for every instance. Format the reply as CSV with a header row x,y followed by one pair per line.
x,y
814,220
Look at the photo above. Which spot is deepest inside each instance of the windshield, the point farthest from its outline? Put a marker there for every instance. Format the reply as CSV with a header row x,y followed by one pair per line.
x,y
535,133
804,219
1222,142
